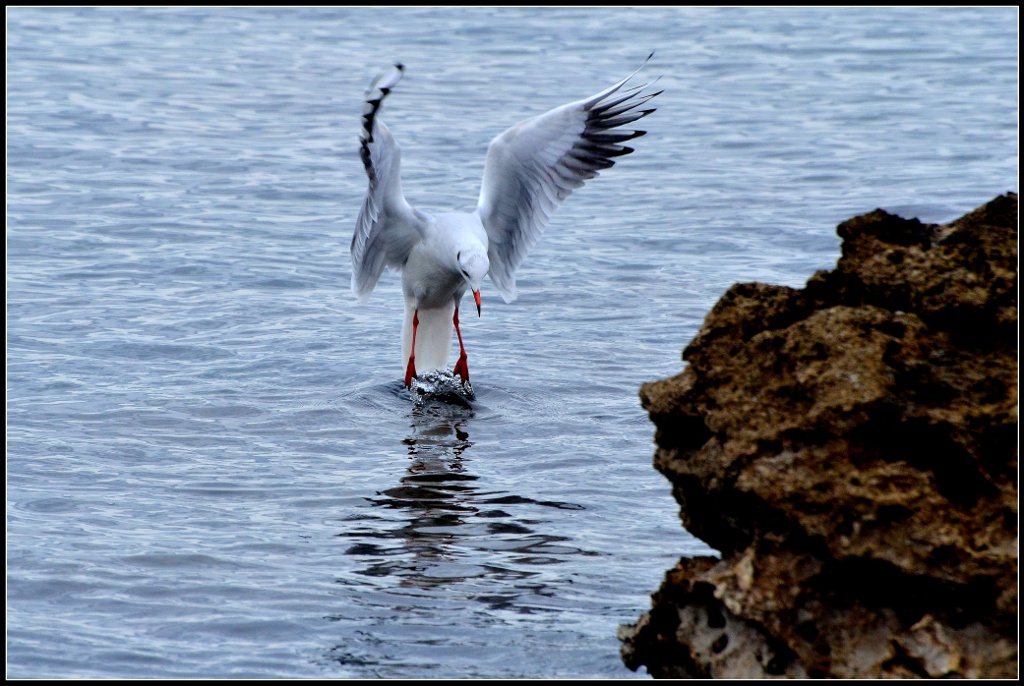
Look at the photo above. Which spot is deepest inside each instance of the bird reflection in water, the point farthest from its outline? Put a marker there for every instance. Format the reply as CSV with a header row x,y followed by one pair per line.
x,y
437,526
435,497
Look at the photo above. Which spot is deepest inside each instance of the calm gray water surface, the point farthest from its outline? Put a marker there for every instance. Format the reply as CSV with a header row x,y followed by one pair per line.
x,y
213,469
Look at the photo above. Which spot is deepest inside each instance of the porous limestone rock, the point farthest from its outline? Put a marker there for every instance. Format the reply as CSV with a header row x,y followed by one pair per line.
x,y
851,449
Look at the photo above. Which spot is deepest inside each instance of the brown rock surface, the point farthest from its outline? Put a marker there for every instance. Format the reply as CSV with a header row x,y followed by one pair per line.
x,y
851,449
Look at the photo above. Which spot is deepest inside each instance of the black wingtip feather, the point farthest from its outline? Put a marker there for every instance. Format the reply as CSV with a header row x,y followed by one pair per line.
x,y
611,137
598,123
375,103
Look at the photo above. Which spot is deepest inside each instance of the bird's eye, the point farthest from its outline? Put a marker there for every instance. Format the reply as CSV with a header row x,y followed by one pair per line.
x,y
465,274
458,255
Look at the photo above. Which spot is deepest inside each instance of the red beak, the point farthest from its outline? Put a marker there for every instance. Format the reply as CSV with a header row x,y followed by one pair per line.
x,y
476,296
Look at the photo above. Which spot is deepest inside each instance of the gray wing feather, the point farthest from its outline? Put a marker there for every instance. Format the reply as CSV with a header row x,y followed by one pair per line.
x,y
387,228
538,163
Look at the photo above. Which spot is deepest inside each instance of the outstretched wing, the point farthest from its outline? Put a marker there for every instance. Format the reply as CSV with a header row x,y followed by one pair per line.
x,y
537,163
387,227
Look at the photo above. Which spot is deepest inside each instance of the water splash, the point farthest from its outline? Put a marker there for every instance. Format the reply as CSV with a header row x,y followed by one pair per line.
x,y
441,386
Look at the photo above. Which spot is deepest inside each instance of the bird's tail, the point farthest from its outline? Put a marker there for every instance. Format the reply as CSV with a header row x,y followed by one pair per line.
x,y
433,337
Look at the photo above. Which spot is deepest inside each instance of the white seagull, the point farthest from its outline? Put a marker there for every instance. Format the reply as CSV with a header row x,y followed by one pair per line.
x,y
529,170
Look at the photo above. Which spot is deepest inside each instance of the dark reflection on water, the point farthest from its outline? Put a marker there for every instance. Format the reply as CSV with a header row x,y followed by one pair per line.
x,y
445,565
450,527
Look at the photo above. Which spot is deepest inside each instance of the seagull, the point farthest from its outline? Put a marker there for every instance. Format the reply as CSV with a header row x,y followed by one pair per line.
x,y
529,170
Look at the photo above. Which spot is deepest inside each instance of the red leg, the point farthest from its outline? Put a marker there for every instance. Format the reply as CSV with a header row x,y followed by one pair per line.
x,y
410,370
461,367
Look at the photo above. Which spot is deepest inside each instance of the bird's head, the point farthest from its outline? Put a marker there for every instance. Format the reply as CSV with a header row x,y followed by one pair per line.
x,y
473,264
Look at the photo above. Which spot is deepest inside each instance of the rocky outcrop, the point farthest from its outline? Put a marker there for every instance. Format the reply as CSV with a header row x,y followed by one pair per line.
x,y
851,449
